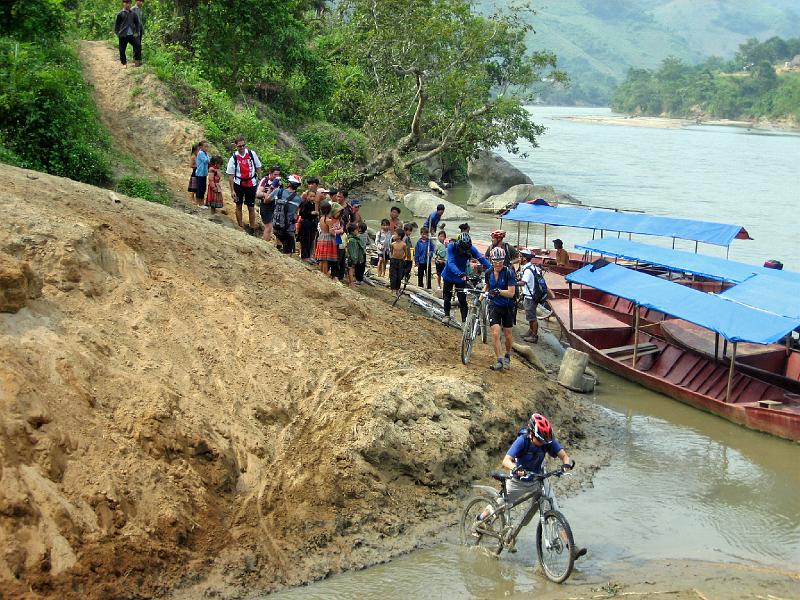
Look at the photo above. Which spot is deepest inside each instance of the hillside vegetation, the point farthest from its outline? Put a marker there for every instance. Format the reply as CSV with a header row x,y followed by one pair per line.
x,y
747,86
598,41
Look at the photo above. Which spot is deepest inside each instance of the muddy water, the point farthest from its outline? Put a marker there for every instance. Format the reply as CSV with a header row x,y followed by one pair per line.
x,y
682,485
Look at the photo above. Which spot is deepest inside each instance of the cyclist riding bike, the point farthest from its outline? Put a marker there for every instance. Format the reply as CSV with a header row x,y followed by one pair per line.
x,y
459,252
512,254
526,456
501,286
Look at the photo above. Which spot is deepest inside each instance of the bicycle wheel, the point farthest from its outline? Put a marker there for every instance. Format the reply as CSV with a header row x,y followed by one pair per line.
x,y
468,338
555,546
486,533
544,310
484,312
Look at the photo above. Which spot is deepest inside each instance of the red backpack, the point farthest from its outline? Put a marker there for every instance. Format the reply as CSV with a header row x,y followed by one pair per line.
x,y
244,167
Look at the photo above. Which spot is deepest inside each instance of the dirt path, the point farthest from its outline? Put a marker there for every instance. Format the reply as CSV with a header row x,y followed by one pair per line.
x,y
140,126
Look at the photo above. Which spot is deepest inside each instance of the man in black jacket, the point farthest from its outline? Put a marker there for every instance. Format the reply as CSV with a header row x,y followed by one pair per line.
x,y
128,28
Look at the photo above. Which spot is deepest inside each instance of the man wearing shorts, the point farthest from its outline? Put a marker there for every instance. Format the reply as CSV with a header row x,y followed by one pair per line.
x,y
266,202
245,169
501,285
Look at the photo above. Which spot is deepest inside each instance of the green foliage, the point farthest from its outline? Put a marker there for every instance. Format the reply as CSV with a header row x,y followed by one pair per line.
x,y
47,116
95,18
323,139
32,20
141,187
717,88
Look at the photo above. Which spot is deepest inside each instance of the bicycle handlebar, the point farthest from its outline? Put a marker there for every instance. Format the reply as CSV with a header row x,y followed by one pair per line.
x,y
542,476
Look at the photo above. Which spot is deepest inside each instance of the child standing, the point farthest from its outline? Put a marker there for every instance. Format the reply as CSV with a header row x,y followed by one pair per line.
x,y
356,254
383,241
440,258
364,237
397,261
192,189
422,255
214,194
408,265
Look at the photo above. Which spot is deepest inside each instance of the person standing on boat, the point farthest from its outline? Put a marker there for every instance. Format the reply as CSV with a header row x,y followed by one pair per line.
x,y
562,256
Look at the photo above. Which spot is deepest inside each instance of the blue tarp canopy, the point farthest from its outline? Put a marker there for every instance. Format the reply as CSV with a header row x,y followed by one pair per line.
x,y
769,292
719,234
675,260
733,321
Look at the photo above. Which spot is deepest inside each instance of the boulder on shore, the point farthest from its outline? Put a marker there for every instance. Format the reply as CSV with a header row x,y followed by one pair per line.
x,y
523,193
490,175
421,204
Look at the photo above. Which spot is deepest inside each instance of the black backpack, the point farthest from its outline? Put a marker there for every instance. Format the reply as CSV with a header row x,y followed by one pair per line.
x,y
539,291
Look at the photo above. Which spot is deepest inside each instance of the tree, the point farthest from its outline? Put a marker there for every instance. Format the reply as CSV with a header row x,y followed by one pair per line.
x,y
430,76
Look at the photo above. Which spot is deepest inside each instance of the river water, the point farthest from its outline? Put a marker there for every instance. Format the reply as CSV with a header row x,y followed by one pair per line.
x,y
682,484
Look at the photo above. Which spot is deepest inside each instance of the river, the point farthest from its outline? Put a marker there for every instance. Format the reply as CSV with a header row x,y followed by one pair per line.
x,y
682,484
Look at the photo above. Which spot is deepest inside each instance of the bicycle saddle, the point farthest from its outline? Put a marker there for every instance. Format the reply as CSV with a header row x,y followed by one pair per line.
x,y
500,475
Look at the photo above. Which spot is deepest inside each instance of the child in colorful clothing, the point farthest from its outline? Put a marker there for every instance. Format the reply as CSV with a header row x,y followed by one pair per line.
x,y
440,258
326,250
383,241
356,254
214,193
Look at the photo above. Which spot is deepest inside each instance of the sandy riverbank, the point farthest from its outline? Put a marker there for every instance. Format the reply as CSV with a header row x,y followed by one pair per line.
x,y
670,123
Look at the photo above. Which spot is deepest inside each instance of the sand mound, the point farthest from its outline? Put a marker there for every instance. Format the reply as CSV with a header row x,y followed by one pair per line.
x,y
183,406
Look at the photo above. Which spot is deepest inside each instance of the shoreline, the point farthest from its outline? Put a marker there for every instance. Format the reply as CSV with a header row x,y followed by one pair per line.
x,y
680,123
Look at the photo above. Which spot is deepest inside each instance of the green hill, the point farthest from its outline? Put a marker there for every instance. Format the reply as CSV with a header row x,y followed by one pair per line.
x,y
597,41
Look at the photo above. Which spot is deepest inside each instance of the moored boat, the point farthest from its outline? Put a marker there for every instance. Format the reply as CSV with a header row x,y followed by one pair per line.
x,y
643,355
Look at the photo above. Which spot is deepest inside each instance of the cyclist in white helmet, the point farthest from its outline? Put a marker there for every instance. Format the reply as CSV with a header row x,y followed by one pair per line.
x,y
501,285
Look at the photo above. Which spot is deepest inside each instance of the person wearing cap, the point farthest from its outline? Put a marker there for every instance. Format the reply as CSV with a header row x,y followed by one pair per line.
x,y
283,221
511,253
562,256
355,212
459,253
432,222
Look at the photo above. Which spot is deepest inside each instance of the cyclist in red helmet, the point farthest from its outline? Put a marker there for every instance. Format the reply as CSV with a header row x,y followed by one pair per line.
x,y
512,259
526,455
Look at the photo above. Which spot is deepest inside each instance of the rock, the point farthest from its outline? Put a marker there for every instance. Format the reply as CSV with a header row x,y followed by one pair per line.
x,y
523,193
572,374
436,188
422,204
391,194
18,284
490,175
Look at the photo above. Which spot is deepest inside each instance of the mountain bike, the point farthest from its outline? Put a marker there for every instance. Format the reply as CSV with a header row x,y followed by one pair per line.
x,y
477,322
555,546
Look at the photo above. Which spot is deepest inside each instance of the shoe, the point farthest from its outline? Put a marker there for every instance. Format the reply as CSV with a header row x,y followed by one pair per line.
x,y
497,365
506,362
446,320
580,552
533,339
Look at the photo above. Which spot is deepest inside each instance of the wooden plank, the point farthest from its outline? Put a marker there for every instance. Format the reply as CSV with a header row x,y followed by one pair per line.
x,y
611,352
769,403
639,354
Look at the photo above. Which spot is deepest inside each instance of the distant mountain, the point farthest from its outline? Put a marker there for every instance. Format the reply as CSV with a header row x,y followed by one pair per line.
x,y
597,41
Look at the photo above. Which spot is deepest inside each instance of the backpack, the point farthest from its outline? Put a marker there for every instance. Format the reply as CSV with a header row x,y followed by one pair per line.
x,y
539,291
237,171
281,217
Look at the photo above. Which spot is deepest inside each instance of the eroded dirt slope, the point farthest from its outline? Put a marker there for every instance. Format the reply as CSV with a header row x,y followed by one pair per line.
x,y
180,404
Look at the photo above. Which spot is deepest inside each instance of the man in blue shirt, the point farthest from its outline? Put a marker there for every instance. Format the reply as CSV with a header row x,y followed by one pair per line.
x,y
501,285
459,252
432,222
526,455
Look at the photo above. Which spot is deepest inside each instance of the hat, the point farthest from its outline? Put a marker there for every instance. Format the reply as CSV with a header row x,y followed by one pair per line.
x,y
335,208
355,203
275,182
295,179
323,190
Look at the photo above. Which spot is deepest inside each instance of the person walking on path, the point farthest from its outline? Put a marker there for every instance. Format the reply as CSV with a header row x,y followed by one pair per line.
x,y
201,173
214,194
534,292
244,169
459,252
139,10
511,253
501,285
128,29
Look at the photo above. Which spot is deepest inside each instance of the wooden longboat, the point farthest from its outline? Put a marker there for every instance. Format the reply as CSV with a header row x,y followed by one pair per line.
x,y
774,363
678,372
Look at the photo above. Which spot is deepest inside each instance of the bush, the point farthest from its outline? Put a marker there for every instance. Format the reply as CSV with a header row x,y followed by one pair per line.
x,y
324,140
47,116
141,187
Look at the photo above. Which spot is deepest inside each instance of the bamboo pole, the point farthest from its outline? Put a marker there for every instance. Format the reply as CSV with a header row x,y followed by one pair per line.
x,y
730,374
519,229
724,348
570,306
635,335
695,247
716,347
545,236
527,231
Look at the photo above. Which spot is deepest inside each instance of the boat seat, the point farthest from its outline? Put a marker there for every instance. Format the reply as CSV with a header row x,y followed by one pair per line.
x,y
793,366
641,350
